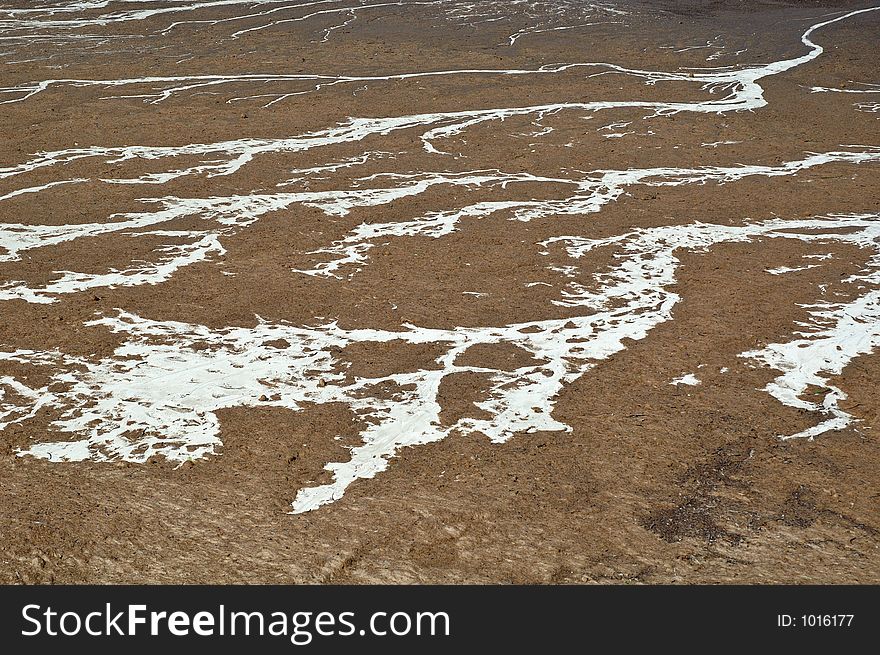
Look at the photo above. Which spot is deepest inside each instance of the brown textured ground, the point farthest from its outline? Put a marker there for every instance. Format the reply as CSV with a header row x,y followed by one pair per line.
x,y
656,482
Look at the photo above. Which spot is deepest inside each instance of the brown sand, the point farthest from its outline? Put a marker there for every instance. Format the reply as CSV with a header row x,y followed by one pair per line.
x,y
655,482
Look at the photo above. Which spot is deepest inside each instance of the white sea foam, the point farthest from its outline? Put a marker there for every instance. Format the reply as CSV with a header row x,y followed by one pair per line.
x,y
160,391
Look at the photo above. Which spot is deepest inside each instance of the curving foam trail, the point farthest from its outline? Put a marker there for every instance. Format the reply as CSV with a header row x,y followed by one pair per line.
x,y
159,392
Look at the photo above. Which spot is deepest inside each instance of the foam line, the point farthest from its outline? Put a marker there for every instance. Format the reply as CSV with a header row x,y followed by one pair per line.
x,y
159,392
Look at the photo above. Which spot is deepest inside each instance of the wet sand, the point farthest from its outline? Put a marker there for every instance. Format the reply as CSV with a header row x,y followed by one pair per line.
x,y
539,292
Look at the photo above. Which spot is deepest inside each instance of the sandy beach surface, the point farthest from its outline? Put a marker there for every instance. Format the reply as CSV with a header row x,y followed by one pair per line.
x,y
542,291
